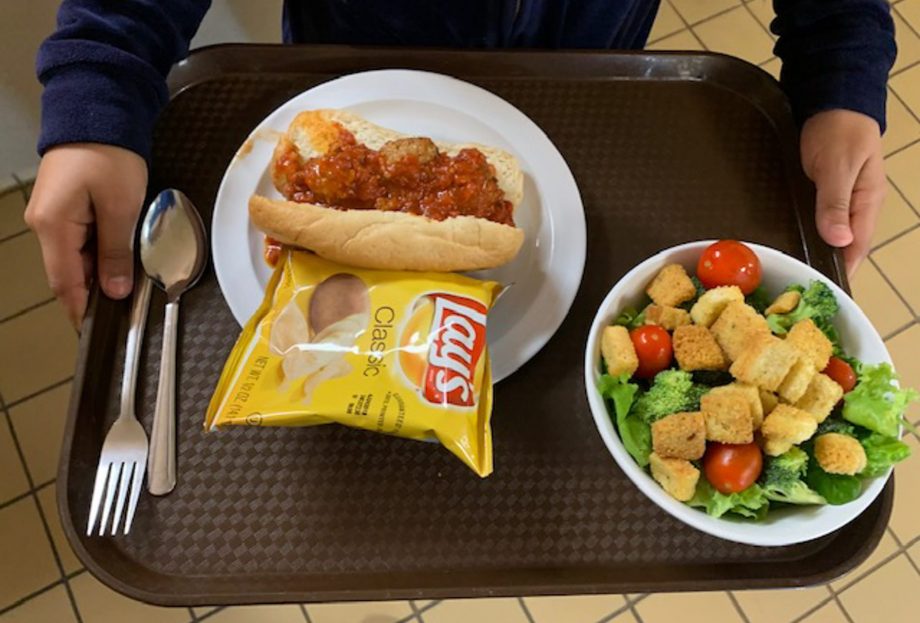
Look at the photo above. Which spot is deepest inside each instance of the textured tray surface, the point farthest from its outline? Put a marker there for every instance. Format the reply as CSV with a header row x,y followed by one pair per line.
x,y
333,513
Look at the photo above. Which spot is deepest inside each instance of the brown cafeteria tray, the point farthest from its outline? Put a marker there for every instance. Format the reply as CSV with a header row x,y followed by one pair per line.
x,y
666,148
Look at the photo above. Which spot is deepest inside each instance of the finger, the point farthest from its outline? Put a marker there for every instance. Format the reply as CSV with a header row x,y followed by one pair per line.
x,y
115,221
834,185
62,254
866,204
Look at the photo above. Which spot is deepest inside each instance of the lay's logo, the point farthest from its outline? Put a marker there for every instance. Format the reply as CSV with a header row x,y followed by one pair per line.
x,y
458,332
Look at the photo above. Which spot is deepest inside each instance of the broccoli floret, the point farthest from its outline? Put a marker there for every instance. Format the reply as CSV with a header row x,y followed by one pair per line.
x,y
782,479
835,425
817,303
672,391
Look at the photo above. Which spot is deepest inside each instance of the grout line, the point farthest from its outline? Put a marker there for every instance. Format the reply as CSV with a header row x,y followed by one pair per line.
x,y
903,69
816,607
892,183
892,286
45,390
737,605
212,613
899,331
14,500
192,614
898,97
21,186
894,536
617,612
306,615
14,235
897,236
747,7
708,18
527,614
903,19
912,563
30,596
905,147
26,310
839,603
687,26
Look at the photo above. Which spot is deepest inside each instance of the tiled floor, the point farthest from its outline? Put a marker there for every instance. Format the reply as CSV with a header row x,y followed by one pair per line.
x,y
42,580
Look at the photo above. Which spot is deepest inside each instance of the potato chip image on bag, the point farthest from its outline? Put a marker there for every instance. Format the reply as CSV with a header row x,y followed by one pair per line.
x,y
400,353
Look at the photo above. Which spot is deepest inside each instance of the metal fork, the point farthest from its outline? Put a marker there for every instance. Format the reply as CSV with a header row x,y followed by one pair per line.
x,y
123,461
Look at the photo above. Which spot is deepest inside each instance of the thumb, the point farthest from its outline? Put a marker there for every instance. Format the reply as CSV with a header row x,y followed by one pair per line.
x,y
834,185
115,248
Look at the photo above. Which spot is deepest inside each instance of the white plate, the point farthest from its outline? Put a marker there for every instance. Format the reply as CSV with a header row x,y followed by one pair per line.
x,y
545,275
783,526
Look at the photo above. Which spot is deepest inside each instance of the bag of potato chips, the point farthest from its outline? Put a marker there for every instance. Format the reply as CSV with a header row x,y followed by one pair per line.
x,y
400,353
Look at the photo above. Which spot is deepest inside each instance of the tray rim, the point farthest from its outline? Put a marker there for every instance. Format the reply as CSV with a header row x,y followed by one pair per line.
x,y
211,63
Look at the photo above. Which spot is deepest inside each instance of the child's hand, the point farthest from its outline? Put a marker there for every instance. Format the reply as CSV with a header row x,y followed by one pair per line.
x,y
83,188
842,154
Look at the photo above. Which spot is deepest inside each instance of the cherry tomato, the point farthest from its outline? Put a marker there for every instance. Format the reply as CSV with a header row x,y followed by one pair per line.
x,y
729,263
841,372
653,346
731,468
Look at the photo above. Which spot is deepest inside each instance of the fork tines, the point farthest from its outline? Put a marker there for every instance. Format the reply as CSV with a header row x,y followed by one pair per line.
x,y
115,478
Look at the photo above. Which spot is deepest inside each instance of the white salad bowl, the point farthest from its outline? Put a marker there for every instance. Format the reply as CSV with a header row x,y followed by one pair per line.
x,y
782,526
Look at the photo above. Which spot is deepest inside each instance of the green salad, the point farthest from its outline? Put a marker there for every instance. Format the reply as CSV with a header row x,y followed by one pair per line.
x,y
737,401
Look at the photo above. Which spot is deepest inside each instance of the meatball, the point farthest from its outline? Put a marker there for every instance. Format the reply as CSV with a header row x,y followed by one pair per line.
x,y
422,148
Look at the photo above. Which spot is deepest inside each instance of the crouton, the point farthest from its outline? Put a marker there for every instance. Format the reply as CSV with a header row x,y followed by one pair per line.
x,y
784,303
821,396
811,342
728,417
765,362
676,476
618,351
749,393
671,286
668,318
696,349
796,382
736,327
680,436
713,302
768,400
785,427
839,454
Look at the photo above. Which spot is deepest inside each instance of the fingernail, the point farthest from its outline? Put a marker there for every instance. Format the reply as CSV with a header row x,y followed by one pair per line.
x,y
118,287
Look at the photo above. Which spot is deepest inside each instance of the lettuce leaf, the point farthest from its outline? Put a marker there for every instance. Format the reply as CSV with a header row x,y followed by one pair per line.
x,y
751,503
875,403
635,433
881,453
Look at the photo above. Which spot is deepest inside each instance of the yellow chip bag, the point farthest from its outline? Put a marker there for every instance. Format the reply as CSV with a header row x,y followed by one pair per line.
x,y
401,353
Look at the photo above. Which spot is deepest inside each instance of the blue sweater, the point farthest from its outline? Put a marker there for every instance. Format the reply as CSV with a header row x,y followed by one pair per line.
x,y
104,68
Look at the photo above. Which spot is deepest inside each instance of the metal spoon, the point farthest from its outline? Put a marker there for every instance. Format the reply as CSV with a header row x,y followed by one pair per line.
x,y
174,253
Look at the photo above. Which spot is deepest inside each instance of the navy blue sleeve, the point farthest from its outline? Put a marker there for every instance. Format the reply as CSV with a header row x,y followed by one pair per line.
x,y
104,69
836,54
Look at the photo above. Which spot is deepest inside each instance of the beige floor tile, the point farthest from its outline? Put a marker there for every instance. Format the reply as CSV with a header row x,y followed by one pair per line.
x,y
780,605
886,547
22,278
47,498
370,611
13,481
696,10
763,11
910,11
914,553
12,205
26,560
577,609
506,610
682,41
45,345
200,612
626,617
98,603
667,22
907,85
896,217
904,348
902,169
830,613
51,606
773,67
903,128
906,501
687,608
39,424
259,614
898,260
736,33
908,43
886,311
886,595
